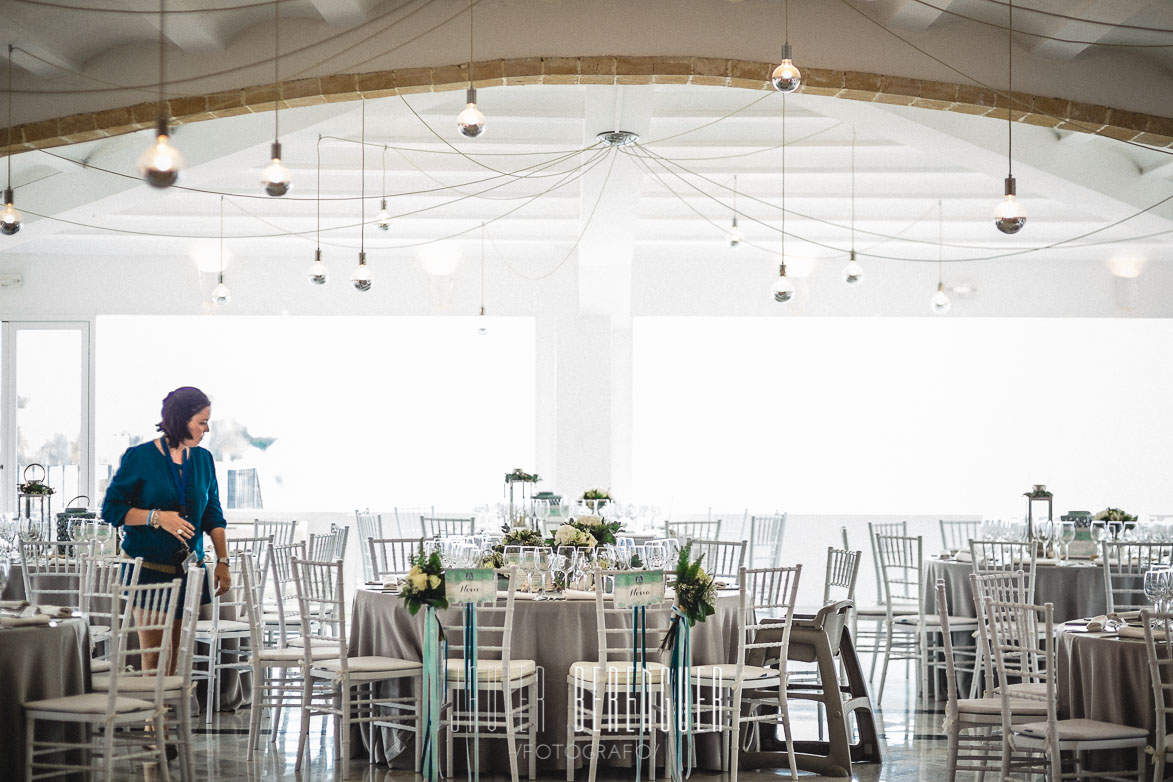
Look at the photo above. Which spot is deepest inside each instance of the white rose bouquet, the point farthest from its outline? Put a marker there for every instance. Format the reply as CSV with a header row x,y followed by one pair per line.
x,y
425,583
570,535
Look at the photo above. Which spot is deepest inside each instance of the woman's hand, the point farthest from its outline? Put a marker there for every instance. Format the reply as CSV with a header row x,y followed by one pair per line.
x,y
223,579
178,526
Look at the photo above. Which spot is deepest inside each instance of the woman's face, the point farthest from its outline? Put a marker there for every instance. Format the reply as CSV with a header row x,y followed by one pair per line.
x,y
197,427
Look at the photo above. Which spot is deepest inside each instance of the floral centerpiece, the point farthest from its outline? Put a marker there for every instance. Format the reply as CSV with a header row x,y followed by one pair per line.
x,y
514,536
424,585
696,595
571,534
1114,514
521,476
602,532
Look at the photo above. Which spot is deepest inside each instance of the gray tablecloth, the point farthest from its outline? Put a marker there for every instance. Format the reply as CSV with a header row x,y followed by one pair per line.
x,y
553,633
1075,590
35,663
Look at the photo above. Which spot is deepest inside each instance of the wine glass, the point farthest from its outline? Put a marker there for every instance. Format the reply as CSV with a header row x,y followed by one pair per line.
x,y
1066,536
1043,531
527,563
513,556
544,562
657,556
1156,586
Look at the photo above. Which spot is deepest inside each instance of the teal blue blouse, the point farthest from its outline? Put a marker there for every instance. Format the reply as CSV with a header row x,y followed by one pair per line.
x,y
144,480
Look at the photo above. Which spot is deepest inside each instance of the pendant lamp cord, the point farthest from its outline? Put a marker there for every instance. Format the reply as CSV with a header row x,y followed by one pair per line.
x,y
162,59
8,145
276,60
221,240
318,198
1010,91
940,259
786,20
784,177
482,268
853,192
470,58
384,192
735,196
362,205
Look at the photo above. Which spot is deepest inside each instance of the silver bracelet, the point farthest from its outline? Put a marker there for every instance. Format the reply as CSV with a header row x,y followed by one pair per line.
x,y
153,518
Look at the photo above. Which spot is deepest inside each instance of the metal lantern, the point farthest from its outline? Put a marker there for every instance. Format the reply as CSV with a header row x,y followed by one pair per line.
x,y
1038,506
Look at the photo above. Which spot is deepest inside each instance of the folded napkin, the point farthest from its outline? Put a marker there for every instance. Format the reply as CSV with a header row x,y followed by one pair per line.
x,y
964,556
57,612
1104,623
24,621
1128,631
577,594
10,604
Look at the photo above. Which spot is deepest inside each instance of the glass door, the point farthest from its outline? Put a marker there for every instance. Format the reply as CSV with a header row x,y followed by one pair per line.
x,y
46,429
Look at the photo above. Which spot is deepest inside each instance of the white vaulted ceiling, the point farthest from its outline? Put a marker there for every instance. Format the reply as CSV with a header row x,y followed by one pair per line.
x,y
553,199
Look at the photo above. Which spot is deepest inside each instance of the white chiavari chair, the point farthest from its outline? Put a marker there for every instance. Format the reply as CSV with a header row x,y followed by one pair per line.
x,y
391,557
1158,636
370,525
722,560
279,531
956,535
1124,566
445,526
99,575
52,571
693,529
765,539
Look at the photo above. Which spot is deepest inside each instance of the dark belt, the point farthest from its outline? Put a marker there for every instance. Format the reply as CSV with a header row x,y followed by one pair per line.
x,y
171,570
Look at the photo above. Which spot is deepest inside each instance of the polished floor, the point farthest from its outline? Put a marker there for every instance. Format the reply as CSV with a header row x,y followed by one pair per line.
x,y
912,738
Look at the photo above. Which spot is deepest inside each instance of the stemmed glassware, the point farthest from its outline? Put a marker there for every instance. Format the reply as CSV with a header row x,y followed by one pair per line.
x,y
1066,537
527,563
1043,531
1157,586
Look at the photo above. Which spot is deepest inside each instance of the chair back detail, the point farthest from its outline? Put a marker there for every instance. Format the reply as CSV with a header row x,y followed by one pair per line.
x,y
880,528
370,525
901,560
145,607
279,531
443,526
1125,564
391,556
842,573
942,603
52,571
321,599
765,539
699,529
956,535
1006,556
722,559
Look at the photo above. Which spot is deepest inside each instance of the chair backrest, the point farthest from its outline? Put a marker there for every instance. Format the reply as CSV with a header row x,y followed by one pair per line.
x,y
1006,556
99,575
279,531
695,529
494,623
408,520
145,607
442,526
1023,639
324,547
341,535
765,617
765,539
880,528
233,601
723,559
1004,586
956,535
391,556
283,601
370,525
321,599
184,663
901,558
842,572
618,643
1124,568
1158,636
52,571
947,638
250,586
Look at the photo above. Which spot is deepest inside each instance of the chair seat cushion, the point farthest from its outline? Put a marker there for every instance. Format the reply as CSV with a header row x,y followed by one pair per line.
x,y
1083,730
295,655
137,684
1033,690
99,666
616,672
93,703
98,632
373,664
223,626
299,642
994,706
728,673
492,670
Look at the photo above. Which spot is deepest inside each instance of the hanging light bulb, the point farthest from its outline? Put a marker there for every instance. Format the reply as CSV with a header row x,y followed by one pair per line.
x,y
853,272
318,271
471,122
783,289
220,294
10,219
361,277
384,219
940,302
276,178
734,236
786,77
482,329
160,163
1010,215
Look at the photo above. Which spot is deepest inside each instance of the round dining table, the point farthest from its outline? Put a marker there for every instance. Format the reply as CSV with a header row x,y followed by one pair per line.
x,y
1075,589
553,633
36,662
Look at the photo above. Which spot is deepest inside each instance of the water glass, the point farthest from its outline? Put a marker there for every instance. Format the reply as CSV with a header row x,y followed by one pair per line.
x,y
1156,586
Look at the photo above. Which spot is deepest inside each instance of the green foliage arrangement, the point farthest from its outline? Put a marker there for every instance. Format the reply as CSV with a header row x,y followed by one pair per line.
x,y
1114,514
696,594
520,536
603,532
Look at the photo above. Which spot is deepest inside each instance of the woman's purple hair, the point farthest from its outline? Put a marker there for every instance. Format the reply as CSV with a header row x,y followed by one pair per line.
x,y
178,408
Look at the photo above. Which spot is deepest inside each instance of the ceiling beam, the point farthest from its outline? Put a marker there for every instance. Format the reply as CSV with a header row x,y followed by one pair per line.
x,y
916,16
190,32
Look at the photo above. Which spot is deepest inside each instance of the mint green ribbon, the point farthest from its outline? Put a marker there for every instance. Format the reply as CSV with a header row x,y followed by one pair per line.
x,y
680,678
639,654
430,718
471,686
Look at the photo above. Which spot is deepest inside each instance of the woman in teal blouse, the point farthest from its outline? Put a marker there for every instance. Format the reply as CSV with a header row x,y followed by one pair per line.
x,y
165,497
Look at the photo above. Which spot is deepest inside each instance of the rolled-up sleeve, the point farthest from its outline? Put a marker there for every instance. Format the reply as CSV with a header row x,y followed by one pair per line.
x,y
213,517
124,490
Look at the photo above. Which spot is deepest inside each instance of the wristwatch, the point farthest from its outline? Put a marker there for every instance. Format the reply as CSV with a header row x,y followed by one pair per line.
x,y
223,561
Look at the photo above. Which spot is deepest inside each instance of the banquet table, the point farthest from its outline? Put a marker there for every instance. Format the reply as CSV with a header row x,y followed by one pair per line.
x,y
37,662
555,634
1075,590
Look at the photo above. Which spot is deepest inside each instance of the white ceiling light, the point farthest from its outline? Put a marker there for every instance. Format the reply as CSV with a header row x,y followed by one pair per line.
x,y
1009,215
318,272
470,122
276,178
786,77
220,294
160,163
10,219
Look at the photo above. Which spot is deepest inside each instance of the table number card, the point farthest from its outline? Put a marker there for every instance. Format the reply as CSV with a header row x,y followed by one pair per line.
x,y
470,585
641,588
